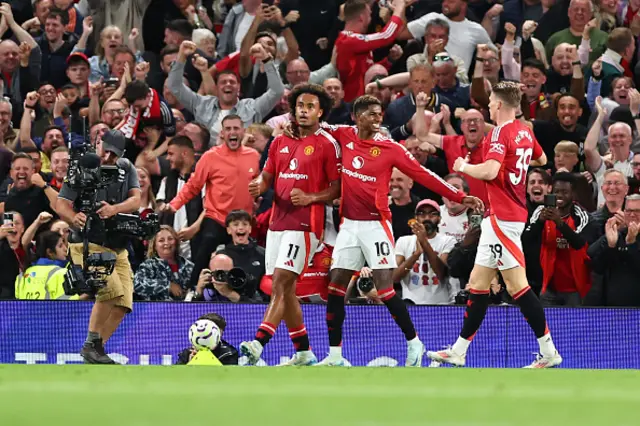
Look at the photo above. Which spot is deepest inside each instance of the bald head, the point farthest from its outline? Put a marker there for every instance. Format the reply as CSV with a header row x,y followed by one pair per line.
x,y
221,262
9,56
298,72
472,127
333,86
561,59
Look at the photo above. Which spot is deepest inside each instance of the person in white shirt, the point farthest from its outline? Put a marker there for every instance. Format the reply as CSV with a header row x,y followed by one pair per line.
x,y
454,217
464,35
422,260
620,137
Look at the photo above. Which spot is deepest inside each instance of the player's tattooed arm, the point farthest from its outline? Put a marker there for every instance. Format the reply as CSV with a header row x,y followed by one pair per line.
x,y
259,185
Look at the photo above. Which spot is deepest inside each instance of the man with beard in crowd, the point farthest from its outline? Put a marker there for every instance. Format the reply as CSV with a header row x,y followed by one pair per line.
x,y
422,260
564,127
402,203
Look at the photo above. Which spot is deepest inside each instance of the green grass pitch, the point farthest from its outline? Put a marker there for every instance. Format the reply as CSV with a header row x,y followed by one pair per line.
x,y
54,395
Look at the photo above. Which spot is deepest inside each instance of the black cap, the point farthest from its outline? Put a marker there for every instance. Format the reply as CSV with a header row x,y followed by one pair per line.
x,y
114,141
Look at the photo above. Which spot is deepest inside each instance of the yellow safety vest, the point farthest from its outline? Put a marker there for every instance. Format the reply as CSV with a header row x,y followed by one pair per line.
x,y
42,282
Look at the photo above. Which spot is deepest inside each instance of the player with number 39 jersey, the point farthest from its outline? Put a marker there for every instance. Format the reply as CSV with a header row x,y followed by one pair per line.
x,y
509,149
513,146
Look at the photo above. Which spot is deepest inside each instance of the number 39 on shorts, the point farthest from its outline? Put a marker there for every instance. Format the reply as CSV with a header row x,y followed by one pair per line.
x,y
522,164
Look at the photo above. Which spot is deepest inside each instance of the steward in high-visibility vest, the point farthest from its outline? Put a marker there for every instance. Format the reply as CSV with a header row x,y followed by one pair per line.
x,y
43,281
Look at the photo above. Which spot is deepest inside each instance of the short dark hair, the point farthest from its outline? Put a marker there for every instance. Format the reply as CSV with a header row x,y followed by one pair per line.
x,y
226,72
269,34
217,319
364,102
564,177
562,96
21,156
29,150
169,49
180,26
182,141
124,49
237,215
542,172
534,63
465,184
316,90
63,14
69,86
136,90
50,128
232,117
47,240
353,8
205,134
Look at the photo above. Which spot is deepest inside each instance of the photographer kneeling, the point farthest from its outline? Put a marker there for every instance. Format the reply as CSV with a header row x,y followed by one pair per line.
x,y
224,283
115,299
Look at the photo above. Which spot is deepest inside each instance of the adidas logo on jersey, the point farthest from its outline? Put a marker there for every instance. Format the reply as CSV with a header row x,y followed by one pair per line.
x,y
284,150
289,263
383,262
350,145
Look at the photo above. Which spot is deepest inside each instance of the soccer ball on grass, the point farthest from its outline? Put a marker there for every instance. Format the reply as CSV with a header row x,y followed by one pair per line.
x,y
204,334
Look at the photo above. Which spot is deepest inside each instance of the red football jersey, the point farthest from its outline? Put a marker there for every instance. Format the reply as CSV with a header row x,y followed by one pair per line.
x,y
354,55
366,171
310,164
514,146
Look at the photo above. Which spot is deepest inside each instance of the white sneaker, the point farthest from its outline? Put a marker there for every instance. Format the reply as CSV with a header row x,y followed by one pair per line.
x,y
546,361
447,356
333,362
415,351
252,350
301,359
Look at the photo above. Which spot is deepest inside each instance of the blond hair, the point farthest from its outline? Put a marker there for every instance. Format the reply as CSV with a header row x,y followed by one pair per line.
x,y
567,147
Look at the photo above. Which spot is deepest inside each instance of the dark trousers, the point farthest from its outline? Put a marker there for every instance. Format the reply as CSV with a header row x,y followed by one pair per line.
x,y
554,298
211,235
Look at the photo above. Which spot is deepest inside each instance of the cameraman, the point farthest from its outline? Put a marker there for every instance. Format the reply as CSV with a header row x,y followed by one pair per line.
x,y
215,286
115,299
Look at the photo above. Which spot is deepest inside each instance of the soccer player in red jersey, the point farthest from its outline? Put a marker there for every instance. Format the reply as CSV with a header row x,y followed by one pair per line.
x,y
354,49
365,234
508,151
305,175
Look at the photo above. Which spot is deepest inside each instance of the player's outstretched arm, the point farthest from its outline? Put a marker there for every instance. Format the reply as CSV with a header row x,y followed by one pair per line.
x,y
301,198
407,164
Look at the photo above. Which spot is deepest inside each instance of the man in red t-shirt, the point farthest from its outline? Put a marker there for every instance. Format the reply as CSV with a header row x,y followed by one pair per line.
x,y
466,145
305,175
354,48
365,234
508,151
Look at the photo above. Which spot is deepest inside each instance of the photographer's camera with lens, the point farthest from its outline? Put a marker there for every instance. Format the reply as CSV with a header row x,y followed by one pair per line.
x,y
93,183
235,277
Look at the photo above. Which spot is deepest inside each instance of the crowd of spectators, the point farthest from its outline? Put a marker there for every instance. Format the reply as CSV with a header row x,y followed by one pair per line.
x,y
199,89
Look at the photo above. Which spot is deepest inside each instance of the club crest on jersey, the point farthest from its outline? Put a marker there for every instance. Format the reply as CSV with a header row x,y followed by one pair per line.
x,y
497,147
326,261
375,151
308,150
293,164
357,162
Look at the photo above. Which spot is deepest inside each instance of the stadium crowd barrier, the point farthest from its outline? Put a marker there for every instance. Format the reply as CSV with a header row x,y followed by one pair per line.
x,y
53,332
